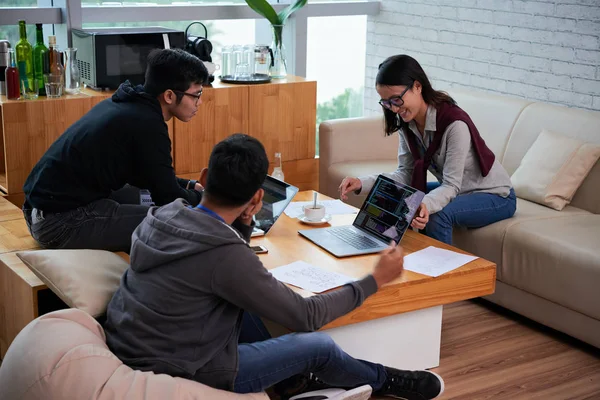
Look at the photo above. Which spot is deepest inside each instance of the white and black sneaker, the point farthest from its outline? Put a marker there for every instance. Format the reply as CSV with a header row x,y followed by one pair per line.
x,y
411,385
359,393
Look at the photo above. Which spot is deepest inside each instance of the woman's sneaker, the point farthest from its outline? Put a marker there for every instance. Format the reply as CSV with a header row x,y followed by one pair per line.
x,y
411,385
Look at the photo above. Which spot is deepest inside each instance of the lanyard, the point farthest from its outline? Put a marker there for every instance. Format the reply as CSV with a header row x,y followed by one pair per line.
x,y
210,212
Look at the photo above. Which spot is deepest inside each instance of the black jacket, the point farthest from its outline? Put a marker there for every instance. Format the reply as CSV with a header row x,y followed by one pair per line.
x,y
121,140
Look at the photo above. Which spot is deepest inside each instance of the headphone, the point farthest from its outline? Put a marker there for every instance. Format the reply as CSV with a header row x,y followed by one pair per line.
x,y
199,46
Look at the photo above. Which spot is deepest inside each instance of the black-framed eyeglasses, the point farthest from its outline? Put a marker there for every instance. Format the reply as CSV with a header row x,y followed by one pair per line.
x,y
396,101
195,96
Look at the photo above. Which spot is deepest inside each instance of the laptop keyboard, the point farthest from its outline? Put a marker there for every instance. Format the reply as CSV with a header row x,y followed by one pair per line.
x,y
357,241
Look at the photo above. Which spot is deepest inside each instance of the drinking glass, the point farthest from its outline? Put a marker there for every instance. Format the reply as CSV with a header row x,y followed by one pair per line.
x,y
54,85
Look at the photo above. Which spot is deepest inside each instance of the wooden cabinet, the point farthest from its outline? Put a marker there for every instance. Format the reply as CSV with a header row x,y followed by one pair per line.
x,y
281,114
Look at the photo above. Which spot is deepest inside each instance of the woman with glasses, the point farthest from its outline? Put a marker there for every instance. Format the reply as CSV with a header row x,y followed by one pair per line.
x,y
473,189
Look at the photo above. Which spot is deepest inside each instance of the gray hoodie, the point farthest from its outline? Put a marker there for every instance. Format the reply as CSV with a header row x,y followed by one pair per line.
x,y
179,306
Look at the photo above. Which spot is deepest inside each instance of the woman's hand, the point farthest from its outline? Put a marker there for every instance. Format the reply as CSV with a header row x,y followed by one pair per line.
x,y
421,217
349,185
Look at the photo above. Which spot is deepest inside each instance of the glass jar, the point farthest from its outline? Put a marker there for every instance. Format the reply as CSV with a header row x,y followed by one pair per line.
x,y
71,71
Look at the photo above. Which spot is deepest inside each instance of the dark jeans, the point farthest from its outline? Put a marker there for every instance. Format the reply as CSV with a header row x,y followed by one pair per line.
x,y
268,361
473,210
106,224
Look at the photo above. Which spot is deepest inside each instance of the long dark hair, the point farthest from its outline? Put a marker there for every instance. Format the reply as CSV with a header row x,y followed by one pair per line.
x,y
403,70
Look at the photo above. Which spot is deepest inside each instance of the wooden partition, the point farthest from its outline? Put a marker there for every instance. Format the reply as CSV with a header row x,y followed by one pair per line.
x,y
282,114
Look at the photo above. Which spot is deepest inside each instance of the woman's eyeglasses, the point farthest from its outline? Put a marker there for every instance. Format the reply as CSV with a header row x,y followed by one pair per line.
x,y
194,95
396,101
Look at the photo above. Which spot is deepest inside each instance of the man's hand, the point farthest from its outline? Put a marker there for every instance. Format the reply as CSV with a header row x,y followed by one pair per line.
x,y
198,187
421,217
249,212
390,265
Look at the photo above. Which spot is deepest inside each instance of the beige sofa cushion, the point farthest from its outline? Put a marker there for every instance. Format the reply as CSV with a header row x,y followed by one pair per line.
x,y
339,171
579,124
494,115
556,259
553,169
487,242
63,355
83,279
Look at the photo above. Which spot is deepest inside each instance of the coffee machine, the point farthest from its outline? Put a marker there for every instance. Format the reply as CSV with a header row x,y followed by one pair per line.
x,y
4,46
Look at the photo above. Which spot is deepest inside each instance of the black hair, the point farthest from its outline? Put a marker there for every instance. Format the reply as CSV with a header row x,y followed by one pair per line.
x,y
237,168
173,69
403,70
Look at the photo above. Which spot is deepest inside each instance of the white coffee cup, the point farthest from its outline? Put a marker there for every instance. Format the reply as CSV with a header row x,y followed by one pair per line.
x,y
211,67
314,214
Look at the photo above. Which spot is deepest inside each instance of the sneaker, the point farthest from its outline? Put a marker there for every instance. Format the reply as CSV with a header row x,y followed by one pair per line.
x,y
411,385
298,384
359,393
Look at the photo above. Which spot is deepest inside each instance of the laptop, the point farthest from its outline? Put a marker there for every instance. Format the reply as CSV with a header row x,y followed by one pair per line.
x,y
385,215
278,195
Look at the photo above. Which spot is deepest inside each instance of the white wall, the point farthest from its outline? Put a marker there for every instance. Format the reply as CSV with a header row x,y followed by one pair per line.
x,y
542,50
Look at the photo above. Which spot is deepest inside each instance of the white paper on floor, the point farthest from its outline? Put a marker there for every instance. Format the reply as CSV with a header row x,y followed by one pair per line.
x,y
434,261
309,277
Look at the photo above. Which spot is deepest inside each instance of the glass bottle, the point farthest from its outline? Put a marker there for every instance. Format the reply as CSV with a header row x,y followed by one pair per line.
x,y
71,71
55,79
41,60
25,64
278,170
13,84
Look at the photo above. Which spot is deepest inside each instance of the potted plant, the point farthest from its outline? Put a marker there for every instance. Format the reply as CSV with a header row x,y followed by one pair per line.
x,y
277,20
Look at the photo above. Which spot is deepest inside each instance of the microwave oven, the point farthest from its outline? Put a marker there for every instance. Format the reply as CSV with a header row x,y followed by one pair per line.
x,y
106,57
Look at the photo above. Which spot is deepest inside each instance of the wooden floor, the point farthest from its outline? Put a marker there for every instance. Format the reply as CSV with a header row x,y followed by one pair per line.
x,y
490,353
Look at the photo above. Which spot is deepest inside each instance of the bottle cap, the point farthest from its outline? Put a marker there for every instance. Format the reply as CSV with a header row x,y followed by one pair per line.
x,y
52,40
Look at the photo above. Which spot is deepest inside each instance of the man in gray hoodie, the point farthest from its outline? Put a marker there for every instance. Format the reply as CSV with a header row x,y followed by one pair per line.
x,y
180,305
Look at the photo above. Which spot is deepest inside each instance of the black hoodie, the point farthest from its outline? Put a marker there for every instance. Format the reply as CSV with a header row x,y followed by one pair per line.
x,y
179,306
121,140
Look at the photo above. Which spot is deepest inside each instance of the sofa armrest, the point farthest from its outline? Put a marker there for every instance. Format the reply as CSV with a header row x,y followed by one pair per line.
x,y
353,139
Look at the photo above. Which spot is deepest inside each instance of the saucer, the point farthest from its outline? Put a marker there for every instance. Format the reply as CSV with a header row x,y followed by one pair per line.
x,y
322,221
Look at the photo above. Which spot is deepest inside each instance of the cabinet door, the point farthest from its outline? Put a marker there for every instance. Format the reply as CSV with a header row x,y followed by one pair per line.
x,y
283,117
30,127
223,111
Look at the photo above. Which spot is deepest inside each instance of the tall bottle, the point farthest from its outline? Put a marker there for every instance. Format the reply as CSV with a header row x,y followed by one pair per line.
x,y
13,84
56,77
41,60
25,64
278,170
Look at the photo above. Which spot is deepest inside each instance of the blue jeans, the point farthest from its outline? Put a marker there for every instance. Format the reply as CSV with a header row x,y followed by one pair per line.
x,y
473,210
269,361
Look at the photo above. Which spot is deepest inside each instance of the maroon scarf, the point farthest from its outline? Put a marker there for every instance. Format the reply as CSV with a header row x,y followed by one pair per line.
x,y
446,114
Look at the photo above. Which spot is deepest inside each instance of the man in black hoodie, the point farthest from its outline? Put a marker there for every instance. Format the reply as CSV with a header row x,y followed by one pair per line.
x,y
180,305
82,192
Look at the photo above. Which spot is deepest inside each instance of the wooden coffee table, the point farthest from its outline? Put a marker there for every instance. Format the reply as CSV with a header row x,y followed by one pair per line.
x,y
400,325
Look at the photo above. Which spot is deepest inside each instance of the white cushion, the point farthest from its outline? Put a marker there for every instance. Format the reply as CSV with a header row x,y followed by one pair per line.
x,y
84,279
553,169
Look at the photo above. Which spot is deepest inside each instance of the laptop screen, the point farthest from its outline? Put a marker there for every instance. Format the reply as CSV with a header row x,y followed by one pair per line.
x,y
389,209
278,195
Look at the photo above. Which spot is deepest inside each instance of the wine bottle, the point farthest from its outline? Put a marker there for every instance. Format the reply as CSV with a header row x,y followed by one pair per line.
x,y
25,64
13,85
41,60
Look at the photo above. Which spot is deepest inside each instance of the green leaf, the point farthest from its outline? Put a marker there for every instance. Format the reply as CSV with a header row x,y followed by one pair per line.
x,y
265,9
289,10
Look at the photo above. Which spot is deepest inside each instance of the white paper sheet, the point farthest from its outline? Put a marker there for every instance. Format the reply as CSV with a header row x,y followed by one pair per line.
x,y
309,277
332,207
434,261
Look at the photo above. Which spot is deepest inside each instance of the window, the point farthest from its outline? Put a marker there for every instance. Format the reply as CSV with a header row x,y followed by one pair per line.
x,y
220,33
11,32
338,65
